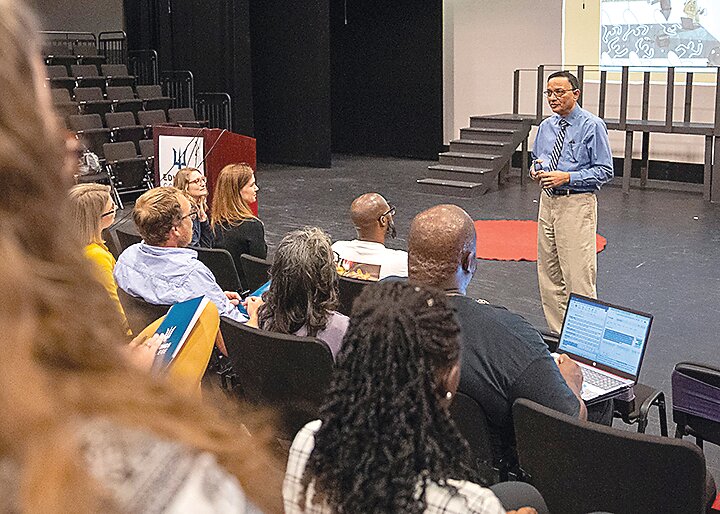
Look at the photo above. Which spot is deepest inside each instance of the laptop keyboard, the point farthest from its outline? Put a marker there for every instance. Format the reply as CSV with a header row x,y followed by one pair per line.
x,y
599,380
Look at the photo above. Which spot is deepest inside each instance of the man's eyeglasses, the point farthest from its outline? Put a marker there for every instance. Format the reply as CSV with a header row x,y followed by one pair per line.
x,y
199,180
193,214
389,212
548,93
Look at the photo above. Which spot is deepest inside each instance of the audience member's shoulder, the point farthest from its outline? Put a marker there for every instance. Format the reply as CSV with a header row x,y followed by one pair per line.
x,y
98,253
484,313
339,318
131,252
473,498
305,439
400,254
143,471
339,245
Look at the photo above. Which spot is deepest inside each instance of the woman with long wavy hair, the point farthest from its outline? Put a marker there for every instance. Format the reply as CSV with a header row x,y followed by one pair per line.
x,y
235,227
302,296
385,441
81,429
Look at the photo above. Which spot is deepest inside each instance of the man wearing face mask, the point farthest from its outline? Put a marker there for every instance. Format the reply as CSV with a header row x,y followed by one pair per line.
x,y
373,220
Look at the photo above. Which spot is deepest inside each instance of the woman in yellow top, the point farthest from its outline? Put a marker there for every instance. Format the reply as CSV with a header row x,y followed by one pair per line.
x,y
93,210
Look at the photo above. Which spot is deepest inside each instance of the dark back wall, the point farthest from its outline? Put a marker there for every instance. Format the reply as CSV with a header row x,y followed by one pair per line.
x,y
387,77
302,80
211,39
291,80
80,15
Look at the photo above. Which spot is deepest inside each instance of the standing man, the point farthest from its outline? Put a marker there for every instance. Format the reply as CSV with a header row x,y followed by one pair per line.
x,y
571,160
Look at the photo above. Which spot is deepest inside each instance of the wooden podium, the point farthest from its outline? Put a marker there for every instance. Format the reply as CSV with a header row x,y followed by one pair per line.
x,y
220,147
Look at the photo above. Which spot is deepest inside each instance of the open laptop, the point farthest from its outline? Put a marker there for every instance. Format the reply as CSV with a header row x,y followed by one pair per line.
x,y
608,343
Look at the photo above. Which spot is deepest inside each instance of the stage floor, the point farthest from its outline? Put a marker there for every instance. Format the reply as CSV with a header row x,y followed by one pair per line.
x,y
662,257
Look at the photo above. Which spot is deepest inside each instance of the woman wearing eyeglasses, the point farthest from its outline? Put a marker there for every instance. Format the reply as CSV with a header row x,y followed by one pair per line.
x,y
235,227
194,184
93,211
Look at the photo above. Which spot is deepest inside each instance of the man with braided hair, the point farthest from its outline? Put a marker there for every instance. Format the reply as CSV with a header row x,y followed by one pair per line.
x,y
503,356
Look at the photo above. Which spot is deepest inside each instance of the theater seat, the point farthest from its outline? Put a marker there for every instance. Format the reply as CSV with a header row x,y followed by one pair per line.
x,y
128,170
117,75
58,78
153,98
92,101
86,75
185,117
581,467
288,373
90,132
123,99
123,128
63,104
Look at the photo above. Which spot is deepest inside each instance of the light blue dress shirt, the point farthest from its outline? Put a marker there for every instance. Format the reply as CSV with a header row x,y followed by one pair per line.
x,y
165,276
585,154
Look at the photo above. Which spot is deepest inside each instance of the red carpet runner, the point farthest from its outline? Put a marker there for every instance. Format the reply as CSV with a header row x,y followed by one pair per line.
x,y
511,240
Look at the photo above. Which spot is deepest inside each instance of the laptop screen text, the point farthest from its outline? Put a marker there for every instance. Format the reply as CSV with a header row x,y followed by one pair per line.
x,y
604,334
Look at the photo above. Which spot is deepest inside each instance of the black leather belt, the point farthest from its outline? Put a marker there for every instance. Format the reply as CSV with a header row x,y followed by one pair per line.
x,y
565,192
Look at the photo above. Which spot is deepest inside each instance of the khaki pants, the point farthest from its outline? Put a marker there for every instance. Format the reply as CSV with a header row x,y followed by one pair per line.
x,y
567,262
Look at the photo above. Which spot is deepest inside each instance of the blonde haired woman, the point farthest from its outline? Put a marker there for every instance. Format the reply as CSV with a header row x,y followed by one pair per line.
x,y
235,227
81,429
93,210
194,184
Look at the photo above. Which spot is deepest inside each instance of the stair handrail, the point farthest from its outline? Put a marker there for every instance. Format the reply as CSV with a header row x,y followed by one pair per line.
x,y
580,71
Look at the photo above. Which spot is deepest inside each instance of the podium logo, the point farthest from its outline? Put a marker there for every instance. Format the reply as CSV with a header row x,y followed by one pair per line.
x,y
179,158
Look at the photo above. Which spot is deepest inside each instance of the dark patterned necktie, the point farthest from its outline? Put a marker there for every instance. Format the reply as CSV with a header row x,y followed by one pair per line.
x,y
557,149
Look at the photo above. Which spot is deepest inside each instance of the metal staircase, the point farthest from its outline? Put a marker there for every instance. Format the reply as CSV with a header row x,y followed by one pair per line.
x,y
479,158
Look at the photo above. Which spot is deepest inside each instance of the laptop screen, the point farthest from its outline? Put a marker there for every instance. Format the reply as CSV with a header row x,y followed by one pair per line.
x,y
605,334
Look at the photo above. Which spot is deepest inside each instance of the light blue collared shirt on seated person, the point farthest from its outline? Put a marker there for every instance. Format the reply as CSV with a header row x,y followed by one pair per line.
x,y
585,154
165,276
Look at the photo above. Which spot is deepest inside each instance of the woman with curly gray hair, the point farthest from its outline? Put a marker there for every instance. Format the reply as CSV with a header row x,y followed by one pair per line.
x,y
303,290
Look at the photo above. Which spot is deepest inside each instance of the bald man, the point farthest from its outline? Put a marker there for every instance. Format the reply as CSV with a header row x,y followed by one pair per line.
x,y
503,356
373,220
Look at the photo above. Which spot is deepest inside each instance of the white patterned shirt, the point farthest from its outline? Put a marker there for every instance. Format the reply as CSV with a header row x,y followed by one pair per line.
x,y
469,498
393,263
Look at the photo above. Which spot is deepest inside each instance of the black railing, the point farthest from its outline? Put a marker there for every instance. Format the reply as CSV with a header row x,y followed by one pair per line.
x,y
65,42
216,108
668,125
144,65
180,86
113,45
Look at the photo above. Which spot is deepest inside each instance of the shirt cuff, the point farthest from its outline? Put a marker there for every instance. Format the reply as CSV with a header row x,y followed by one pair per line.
x,y
574,178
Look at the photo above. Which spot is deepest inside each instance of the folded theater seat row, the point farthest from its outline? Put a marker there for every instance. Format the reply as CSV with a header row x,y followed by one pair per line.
x,y
87,75
129,171
80,54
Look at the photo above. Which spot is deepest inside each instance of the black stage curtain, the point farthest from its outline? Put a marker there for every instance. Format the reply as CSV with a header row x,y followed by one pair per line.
x,y
211,39
291,80
387,77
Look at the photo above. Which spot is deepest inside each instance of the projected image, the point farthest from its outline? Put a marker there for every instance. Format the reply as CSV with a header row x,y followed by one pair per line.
x,y
660,32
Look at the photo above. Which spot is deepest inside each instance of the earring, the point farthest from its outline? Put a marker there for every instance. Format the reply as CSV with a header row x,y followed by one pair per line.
x,y
448,395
